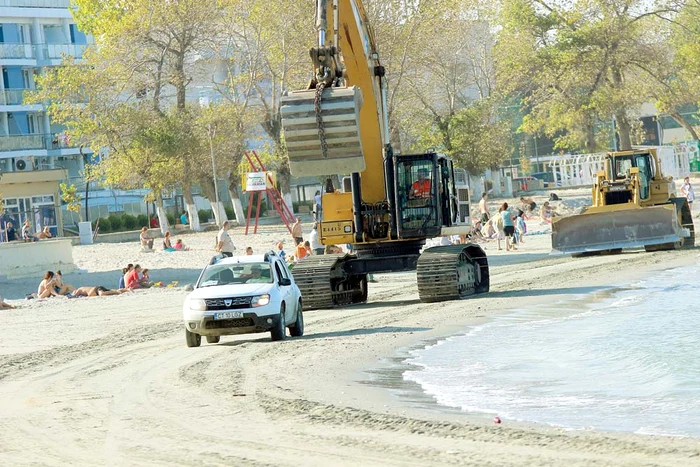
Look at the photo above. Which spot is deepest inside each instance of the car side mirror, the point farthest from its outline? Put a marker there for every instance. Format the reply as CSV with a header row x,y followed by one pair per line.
x,y
284,281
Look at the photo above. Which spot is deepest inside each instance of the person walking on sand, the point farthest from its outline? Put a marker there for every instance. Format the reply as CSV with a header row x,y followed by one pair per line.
x,y
224,244
297,232
508,226
687,191
484,208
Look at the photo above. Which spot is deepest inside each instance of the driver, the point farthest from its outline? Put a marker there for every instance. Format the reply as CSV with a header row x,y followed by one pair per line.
x,y
421,187
256,275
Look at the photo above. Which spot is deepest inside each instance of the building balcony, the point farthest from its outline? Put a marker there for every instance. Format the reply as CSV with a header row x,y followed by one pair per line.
x,y
17,51
57,51
23,142
12,96
35,3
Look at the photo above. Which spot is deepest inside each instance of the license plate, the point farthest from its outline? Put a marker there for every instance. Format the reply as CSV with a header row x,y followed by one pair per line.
x,y
229,315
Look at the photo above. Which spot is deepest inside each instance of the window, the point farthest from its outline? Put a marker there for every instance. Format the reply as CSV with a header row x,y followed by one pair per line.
x,y
281,271
245,273
77,37
644,175
416,195
27,79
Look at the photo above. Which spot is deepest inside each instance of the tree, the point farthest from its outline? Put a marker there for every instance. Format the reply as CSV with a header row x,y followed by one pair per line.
x,y
579,63
70,196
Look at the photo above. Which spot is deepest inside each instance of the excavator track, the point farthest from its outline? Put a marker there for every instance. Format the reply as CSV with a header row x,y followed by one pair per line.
x,y
452,272
324,284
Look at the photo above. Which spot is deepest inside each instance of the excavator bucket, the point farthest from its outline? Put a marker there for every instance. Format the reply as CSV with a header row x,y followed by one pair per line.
x,y
615,229
325,142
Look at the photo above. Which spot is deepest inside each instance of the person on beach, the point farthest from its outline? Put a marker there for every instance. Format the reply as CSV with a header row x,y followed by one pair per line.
x,y
146,241
300,252
183,218
333,250
484,208
132,279
297,232
687,191
249,251
154,222
47,287
11,234
167,245
27,235
179,246
508,226
316,245
45,233
60,286
317,206
125,271
224,244
4,305
520,227
280,251
546,213
528,205
145,279
98,291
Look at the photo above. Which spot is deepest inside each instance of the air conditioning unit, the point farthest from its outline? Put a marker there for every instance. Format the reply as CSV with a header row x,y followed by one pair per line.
x,y
24,164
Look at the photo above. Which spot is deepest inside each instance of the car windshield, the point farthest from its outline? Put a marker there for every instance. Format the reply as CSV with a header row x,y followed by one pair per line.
x,y
245,273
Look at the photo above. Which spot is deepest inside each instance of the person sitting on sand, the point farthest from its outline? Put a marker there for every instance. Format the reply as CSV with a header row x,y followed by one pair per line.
x,y
60,286
132,278
5,306
546,213
45,233
125,271
145,280
98,291
179,246
47,287
146,241
167,246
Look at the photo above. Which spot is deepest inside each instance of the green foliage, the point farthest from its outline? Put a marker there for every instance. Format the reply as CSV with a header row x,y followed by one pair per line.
x,y
70,196
171,219
205,215
141,221
129,222
229,212
105,225
115,222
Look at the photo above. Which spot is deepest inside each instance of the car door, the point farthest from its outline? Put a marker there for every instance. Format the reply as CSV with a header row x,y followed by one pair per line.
x,y
284,283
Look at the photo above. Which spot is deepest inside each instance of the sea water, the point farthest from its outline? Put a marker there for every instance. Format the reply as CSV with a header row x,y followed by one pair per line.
x,y
626,360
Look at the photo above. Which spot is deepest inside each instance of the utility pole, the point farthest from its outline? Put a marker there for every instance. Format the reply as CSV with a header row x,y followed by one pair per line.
x,y
211,131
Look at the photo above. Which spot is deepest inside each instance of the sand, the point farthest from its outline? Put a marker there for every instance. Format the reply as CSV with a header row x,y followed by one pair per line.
x,y
109,380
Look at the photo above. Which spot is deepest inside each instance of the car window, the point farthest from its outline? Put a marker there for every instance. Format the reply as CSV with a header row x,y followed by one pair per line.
x,y
246,273
281,271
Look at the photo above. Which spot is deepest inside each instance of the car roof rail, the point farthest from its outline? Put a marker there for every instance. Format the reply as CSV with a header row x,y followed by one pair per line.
x,y
267,255
215,258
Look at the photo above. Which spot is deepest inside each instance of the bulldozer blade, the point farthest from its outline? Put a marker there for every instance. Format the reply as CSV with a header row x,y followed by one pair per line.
x,y
340,120
615,229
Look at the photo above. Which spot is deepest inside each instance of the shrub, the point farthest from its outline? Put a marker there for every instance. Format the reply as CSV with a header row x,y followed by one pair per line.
x,y
263,208
171,219
205,215
229,213
141,220
105,225
129,221
116,223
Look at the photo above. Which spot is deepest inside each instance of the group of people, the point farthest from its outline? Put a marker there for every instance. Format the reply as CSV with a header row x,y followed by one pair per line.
x,y
147,242
52,285
8,233
134,277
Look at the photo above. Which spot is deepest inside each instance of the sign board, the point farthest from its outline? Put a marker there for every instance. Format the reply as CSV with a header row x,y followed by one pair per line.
x,y
515,172
258,181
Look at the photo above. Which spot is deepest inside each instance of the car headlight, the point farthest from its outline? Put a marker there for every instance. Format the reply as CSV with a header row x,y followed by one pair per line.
x,y
197,304
260,300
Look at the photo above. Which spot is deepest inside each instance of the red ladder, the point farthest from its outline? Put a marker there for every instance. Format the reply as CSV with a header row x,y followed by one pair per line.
x,y
273,195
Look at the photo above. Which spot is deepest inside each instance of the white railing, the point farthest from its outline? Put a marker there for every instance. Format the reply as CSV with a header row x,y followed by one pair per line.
x,y
11,96
59,50
35,3
8,50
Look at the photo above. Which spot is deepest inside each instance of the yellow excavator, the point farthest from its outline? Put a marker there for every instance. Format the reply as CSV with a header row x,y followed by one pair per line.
x,y
634,206
339,126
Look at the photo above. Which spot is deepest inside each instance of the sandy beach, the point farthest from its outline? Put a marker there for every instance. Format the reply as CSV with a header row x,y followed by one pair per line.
x,y
109,380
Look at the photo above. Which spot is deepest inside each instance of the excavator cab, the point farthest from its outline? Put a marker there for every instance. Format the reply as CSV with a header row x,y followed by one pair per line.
x,y
425,194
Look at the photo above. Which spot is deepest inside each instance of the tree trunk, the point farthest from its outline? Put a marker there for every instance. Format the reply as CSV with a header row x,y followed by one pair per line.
x,y
684,123
162,216
235,199
624,129
284,177
192,212
590,142
217,208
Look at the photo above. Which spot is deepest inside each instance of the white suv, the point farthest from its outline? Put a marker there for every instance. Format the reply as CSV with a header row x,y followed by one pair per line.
x,y
241,295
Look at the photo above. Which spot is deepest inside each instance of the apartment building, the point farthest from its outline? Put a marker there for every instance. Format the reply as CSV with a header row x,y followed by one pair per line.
x,y
34,35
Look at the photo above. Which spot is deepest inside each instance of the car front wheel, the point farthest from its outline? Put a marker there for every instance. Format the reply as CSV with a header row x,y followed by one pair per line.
x,y
192,339
278,332
297,329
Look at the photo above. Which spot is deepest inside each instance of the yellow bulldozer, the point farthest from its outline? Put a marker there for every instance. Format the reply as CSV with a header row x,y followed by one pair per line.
x,y
634,206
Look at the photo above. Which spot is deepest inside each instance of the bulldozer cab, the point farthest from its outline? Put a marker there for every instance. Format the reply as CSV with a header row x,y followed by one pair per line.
x,y
425,195
621,166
